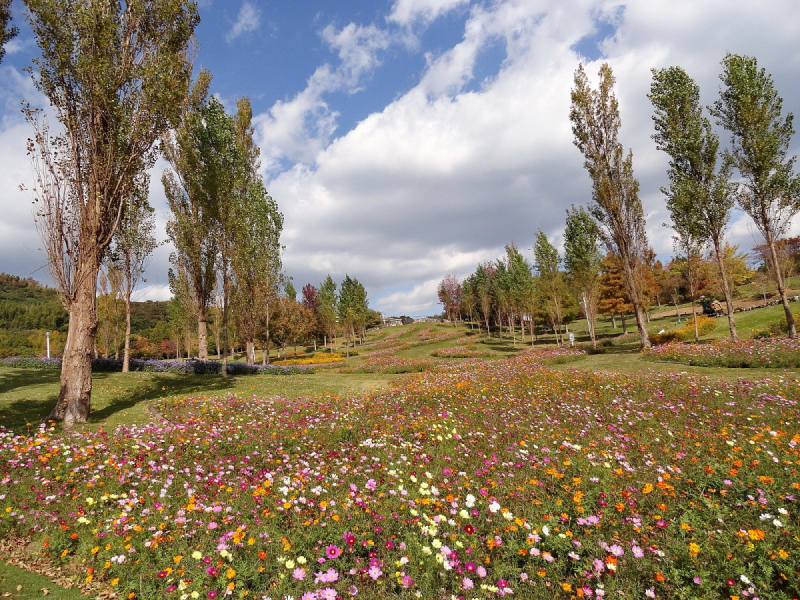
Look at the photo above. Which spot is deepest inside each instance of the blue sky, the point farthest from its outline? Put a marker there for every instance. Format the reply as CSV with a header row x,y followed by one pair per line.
x,y
405,139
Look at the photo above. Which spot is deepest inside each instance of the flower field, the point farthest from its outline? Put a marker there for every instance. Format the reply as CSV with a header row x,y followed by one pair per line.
x,y
474,480
783,353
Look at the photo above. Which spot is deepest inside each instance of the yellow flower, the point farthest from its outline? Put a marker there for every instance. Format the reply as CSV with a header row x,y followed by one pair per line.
x,y
230,573
177,559
648,487
694,549
783,553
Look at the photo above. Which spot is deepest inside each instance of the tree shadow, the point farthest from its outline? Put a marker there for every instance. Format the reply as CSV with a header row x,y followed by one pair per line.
x,y
31,409
155,388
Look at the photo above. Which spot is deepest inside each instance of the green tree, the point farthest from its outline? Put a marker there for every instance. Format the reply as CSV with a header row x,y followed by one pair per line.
x,y
288,289
328,308
583,262
133,244
699,197
552,288
7,30
116,75
750,108
520,287
352,309
615,192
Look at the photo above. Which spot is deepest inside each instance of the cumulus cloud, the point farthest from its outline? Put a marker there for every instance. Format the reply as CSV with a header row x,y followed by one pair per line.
x,y
300,128
408,12
249,19
449,172
477,152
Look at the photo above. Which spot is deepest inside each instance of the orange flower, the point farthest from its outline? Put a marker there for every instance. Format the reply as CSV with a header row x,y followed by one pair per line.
x,y
755,534
660,577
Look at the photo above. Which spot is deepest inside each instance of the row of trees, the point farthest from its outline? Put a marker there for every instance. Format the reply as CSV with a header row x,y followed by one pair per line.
x,y
224,226
701,192
554,290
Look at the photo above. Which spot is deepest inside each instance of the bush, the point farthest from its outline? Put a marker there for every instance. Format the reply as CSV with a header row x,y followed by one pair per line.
x,y
705,325
194,367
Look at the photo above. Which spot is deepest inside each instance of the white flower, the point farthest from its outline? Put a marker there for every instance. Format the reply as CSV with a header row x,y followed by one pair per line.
x,y
470,501
546,530
777,523
494,507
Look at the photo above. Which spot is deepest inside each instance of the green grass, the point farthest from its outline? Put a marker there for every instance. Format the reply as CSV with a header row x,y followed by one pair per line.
x,y
27,396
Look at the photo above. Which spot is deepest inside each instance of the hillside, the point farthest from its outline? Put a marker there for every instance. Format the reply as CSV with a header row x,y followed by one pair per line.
x,y
28,310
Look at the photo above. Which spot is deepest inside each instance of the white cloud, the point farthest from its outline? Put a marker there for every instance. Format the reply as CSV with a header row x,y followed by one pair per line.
x,y
409,12
451,171
249,19
300,128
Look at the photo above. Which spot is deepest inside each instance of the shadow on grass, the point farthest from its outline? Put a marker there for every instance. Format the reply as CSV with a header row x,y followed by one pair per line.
x,y
28,395
157,386
32,408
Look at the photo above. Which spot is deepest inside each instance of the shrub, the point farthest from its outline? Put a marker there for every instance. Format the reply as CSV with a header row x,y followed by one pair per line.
x,y
705,325
195,367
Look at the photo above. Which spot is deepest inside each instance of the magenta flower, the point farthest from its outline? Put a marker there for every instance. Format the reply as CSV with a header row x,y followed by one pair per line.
x,y
333,551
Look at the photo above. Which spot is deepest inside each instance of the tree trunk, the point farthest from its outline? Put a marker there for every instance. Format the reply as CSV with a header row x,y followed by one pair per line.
x,y
613,320
126,356
74,398
225,302
782,289
202,335
726,290
694,316
624,325
250,350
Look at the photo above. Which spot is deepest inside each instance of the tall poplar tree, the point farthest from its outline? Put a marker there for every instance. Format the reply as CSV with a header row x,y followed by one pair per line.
x,y
583,262
750,108
328,307
133,244
700,196
552,288
615,192
116,74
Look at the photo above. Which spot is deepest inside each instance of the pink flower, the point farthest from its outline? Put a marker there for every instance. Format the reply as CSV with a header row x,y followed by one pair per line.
x,y
481,571
467,584
371,485
375,572
407,582
327,594
333,551
299,573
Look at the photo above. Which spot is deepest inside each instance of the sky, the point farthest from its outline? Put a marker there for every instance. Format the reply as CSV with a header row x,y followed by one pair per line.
x,y
407,139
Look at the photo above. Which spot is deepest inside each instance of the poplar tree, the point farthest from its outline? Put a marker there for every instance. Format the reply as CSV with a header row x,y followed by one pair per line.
x,y
750,108
116,75
700,196
328,307
7,30
615,192
583,262
133,244
193,210
552,288
255,240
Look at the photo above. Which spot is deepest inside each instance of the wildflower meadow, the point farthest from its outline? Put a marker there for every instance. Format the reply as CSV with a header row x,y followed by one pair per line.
x,y
471,480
